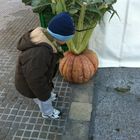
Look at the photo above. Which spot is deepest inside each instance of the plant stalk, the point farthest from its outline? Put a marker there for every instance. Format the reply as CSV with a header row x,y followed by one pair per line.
x,y
79,35
84,42
63,5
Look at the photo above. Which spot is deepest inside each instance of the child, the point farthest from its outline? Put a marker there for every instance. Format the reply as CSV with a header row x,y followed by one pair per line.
x,y
37,62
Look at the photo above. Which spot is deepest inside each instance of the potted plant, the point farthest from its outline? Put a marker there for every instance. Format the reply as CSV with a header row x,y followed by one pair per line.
x,y
79,63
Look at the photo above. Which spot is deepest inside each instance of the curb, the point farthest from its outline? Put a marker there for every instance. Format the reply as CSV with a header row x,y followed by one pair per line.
x,y
78,123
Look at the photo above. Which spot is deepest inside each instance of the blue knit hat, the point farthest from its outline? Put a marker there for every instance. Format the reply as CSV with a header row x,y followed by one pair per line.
x,y
61,27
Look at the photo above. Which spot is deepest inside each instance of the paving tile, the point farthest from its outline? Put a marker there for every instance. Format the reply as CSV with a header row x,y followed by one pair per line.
x,y
17,138
80,111
19,133
43,135
30,127
76,131
35,134
82,93
27,134
51,136
45,128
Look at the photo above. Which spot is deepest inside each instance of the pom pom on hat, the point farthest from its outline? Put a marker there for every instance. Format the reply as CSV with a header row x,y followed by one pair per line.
x,y
61,27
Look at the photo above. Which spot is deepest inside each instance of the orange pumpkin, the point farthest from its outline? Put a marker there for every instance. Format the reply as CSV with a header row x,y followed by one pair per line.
x,y
78,68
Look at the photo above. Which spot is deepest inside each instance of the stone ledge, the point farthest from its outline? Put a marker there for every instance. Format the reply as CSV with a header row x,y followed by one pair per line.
x,y
76,131
80,111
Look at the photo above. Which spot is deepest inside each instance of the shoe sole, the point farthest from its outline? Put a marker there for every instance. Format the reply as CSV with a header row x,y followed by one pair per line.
x,y
48,117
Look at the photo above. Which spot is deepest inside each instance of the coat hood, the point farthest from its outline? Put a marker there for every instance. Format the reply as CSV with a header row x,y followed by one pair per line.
x,y
25,42
33,38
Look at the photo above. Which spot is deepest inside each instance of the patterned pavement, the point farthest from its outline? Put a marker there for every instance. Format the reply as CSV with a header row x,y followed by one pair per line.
x,y
20,118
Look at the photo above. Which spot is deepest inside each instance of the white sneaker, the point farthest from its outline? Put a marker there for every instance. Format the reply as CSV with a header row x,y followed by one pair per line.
x,y
55,114
53,96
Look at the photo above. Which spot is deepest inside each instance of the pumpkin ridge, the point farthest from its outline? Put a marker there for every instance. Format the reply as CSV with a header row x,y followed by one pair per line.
x,y
93,55
96,59
82,67
77,70
66,67
62,64
69,67
86,72
72,68
92,70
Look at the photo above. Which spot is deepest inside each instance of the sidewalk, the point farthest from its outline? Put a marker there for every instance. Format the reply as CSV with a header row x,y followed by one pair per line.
x,y
116,113
20,118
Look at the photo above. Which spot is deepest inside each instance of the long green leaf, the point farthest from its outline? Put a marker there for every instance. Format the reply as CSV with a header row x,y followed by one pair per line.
x,y
40,5
114,12
27,2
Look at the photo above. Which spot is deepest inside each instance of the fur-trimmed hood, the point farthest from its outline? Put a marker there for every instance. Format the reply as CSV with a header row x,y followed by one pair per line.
x,y
33,38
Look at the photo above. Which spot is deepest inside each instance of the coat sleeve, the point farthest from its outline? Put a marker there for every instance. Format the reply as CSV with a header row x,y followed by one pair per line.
x,y
35,72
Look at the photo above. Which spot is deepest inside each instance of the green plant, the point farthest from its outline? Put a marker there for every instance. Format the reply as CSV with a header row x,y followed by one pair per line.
x,y
86,15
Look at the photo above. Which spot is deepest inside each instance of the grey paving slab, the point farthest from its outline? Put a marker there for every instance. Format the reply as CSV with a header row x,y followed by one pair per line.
x,y
20,118
78,123
82,92
76,131
80,111
116,106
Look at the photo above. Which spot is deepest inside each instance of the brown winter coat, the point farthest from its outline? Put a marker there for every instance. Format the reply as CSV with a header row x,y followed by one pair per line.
x,y
36,66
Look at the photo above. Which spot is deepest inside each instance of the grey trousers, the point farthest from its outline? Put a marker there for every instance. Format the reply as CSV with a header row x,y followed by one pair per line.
x,y
45,106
